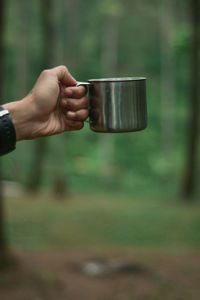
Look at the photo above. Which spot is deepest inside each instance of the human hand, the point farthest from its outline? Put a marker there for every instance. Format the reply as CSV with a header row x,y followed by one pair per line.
x,y
54,105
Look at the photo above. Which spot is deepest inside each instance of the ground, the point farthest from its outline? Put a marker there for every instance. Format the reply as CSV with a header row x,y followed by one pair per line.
x,y
42,275
51,240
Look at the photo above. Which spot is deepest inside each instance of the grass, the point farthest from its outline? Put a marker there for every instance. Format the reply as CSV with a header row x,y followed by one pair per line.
x,y
102,222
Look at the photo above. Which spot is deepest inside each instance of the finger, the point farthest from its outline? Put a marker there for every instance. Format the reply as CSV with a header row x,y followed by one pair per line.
x,y
75,104
75,91
63,75
73,125
79,115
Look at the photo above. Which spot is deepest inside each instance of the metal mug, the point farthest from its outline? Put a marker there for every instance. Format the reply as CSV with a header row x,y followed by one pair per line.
x,y
117,104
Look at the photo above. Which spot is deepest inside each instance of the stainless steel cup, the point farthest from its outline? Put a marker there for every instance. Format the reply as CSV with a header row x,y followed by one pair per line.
x,y
117,104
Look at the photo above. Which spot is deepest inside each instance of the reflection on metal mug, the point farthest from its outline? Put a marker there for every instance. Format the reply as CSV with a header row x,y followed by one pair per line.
x,y
117,104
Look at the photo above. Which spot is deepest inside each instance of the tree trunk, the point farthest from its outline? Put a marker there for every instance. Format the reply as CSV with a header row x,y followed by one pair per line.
x,y
67,43
2,21
23,14
193,133
3,240
167,77
109,57
48,44
73,33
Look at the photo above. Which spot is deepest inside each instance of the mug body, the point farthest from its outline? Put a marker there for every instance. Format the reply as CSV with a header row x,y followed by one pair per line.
x,y
118,104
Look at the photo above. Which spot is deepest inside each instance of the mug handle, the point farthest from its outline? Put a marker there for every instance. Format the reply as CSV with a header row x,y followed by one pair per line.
x,y
86,85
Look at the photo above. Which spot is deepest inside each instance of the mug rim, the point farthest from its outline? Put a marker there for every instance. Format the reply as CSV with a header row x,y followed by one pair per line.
x,y
117,79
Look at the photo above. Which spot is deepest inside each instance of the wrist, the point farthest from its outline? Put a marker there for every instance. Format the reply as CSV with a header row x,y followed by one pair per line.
x,y
21,117
7,132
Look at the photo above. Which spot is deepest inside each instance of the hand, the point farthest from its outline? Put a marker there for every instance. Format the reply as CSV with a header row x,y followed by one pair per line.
x,y
53,106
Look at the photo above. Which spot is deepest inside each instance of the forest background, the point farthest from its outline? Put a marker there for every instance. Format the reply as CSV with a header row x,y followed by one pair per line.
x,y
157,167
107,39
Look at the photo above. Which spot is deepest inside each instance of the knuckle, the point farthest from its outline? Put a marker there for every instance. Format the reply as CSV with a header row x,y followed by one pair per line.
x,y
45,72
63,67
81,115
72,105
81,91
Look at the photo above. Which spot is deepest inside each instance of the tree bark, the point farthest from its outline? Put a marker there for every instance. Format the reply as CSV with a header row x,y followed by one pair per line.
x,y
73,33
109,58
167,78
193,132
22,59
3,240
48,44
67,43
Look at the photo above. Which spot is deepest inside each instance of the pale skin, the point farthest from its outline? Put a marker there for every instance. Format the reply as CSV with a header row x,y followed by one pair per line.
x,y
53,106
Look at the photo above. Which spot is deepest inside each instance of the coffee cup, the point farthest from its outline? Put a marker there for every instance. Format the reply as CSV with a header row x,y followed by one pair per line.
x,y
117,104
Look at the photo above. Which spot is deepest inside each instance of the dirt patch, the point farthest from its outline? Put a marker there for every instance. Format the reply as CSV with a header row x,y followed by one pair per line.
x,y
59,275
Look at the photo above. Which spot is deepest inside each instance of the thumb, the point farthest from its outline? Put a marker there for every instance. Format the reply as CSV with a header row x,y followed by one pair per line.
x,y
63,75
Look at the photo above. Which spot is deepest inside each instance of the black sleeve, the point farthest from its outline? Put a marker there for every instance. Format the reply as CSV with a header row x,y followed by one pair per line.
x,y
7,132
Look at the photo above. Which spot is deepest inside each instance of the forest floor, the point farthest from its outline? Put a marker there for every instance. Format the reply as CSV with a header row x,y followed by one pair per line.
x,y
98,247
42,275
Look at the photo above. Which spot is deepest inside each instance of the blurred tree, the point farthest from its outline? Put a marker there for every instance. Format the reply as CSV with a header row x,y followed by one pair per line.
x,y
167,76
48,43
111,12
23,13
67,28
96,39
193,132
3,241
73,32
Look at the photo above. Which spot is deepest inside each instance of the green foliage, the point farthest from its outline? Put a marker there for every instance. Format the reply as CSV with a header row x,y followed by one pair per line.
x,y
111,8
139,163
